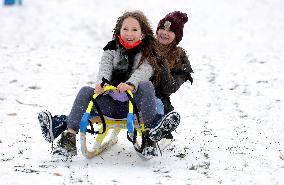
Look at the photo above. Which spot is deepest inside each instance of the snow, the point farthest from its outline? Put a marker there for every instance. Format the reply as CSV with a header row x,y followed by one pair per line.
x,y
231,130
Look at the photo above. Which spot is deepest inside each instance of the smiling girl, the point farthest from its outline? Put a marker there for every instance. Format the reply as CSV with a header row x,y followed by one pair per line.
x,y
175,68
128,62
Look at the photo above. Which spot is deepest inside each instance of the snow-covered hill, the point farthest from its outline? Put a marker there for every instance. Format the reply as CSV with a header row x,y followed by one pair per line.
x,y
232,129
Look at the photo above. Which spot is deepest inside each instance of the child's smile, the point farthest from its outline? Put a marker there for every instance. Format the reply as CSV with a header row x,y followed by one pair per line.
x,y
130,31
165,36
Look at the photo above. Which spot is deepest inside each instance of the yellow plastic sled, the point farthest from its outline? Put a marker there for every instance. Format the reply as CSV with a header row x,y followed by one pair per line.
x,y
106,125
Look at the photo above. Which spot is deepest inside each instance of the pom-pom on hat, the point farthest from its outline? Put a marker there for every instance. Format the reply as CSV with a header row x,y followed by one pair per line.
x,y
174,21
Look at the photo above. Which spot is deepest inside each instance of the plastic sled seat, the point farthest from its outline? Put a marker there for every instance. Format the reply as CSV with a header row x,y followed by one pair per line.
x,y
108,126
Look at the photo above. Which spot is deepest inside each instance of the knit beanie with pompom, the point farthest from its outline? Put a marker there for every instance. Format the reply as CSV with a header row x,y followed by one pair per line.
x,y
174,21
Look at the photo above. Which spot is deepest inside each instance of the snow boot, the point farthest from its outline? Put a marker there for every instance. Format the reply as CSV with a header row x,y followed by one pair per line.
x,y
165,126
149,148
51,127
169,136
66,146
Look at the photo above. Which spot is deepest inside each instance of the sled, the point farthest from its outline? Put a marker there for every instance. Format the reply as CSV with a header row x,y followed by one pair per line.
x,y
108,126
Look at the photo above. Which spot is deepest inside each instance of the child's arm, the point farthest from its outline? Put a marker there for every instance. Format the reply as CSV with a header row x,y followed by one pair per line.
x,y
171,81
141,74
187,67
106,66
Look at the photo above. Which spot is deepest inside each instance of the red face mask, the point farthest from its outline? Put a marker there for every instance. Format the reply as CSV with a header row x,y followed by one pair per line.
x,y
127,45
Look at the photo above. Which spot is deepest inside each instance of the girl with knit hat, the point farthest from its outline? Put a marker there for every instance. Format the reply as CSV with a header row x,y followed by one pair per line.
x,y
128,62
175,68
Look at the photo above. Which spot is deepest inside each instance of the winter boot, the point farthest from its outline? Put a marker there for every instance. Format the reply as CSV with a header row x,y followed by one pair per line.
x,y
165,126
149,147
66,146
51,127
169,136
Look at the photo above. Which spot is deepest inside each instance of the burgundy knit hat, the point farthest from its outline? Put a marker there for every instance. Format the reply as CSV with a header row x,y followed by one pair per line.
x,y
175,22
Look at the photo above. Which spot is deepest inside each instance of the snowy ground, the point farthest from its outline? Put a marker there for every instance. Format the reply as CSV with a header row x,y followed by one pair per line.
x,y
232,129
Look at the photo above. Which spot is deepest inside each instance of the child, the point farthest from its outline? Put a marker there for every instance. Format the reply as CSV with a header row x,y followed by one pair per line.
x,y
176,68
128,62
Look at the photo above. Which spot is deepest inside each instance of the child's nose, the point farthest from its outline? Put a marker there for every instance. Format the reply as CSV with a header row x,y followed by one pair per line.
x,y
164,32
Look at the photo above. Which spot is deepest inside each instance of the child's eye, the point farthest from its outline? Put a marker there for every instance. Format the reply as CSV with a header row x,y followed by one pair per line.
x,y
135,29
124,29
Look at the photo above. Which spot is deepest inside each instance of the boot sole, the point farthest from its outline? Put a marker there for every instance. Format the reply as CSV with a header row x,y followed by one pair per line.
x,y
168,124
45,120
61,152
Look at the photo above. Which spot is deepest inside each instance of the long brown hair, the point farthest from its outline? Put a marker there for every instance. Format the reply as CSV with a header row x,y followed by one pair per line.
x,y
150,50
172,54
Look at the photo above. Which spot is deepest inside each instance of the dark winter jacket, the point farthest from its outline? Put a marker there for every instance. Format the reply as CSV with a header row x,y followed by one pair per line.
x,y
171,80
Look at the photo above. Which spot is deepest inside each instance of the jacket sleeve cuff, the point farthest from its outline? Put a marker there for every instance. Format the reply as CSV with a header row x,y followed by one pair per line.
x,y
134,85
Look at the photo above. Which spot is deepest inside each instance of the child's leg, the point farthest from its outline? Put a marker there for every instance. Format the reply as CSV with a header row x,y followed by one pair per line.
x,y
159,106
108,106
79,107
51,126
112,108
145,100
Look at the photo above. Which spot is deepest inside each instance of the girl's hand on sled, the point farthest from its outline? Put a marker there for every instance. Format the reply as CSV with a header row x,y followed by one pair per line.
x,y
122,87
99,89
